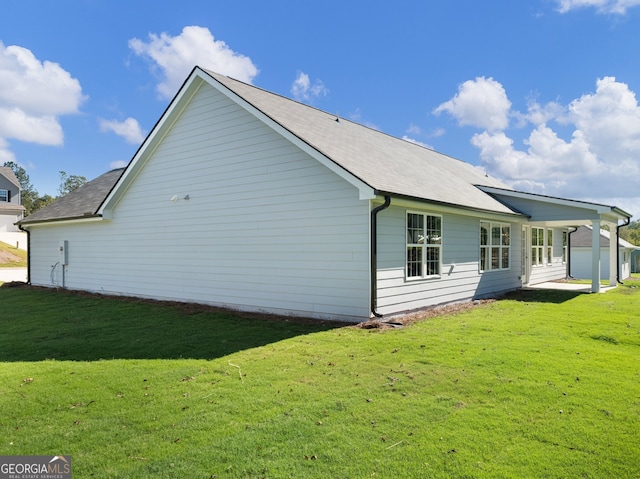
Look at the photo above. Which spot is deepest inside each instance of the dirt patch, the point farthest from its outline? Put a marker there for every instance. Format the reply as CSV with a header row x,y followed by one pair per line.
x,y
7,257
411,318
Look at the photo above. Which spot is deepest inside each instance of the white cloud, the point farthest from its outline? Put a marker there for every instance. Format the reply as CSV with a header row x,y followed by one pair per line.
x,y
129,129
539,114
610,120
33,94
118,164
414,129
482,103
597,162
176,56
303,90
5,153
438,132
618,7
420,143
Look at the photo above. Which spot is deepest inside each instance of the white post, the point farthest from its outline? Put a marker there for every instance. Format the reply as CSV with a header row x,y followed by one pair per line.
x,y
613,256
595,256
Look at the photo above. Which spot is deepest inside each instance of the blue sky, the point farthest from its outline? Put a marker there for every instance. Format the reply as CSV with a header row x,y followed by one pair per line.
x,y
538,93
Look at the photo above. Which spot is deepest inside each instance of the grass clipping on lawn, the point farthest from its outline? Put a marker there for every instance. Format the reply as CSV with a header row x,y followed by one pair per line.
x,y
539,384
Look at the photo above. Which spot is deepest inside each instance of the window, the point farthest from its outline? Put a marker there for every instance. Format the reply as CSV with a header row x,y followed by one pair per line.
x,y
495,246
4,195
537,246
424,243
564,246
549,246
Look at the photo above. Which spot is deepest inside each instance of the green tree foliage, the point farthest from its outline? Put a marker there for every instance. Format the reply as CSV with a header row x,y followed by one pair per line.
x,y
68,183
29,196
631,233
42,201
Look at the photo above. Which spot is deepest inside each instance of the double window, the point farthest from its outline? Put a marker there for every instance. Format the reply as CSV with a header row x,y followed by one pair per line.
x,y
495,246
537,246
424,245
542,246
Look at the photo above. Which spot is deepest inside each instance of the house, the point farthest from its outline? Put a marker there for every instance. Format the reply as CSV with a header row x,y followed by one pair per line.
x,y
635,261
245,199
11,210
580,249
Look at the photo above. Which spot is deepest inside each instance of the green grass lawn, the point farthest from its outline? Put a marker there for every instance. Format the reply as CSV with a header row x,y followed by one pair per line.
x,y
540,384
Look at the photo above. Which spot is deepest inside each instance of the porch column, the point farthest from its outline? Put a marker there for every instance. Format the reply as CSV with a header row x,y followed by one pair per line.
x,y
613,256
595,256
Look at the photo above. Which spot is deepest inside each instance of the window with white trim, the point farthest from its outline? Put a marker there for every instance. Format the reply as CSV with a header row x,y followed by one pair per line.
x,y
495,246
564,246
4,195
424,245
549,246
537,246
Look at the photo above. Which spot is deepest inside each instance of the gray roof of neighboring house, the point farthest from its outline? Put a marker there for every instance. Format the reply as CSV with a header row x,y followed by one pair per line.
x,y
581,238
81,203
387,164
10,175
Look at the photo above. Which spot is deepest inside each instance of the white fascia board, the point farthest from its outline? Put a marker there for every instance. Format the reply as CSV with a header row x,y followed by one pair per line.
x,y
600,209
151,142
452,209
366,192
91,219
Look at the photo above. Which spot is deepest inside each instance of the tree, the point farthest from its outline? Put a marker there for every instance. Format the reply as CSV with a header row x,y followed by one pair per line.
x,y
631,233
42,201
68,183
28,195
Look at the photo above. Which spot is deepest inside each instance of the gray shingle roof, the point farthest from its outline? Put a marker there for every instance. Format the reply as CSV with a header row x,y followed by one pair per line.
x,y
80,203
581,238
386,163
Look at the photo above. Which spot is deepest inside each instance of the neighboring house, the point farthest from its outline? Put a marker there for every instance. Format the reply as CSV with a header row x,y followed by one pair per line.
x,y
11,210
245,199
635,260
580,244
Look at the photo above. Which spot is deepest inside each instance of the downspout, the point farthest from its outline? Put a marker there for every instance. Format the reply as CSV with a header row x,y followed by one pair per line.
x,y
618,249
569,252
28,252
374,254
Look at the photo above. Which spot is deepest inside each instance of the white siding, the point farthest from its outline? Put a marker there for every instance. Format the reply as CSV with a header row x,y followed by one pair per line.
x,y
581,263
7,223
265,228
461,278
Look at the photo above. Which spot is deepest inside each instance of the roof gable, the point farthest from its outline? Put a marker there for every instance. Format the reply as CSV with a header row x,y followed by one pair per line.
x,y
10,175
388,164
374,162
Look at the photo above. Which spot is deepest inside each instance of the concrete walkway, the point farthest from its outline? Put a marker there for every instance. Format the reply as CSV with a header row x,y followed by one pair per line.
x,y
561,285
8,275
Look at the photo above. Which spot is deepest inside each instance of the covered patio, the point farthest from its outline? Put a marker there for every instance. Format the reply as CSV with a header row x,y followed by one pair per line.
x,y
551,212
